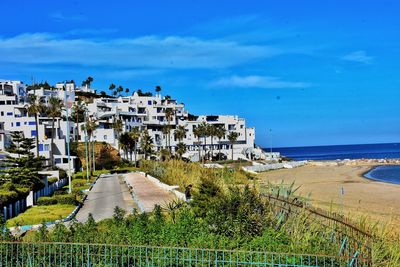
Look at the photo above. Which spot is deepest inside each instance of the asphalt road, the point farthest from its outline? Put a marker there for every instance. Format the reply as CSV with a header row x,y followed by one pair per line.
x,y
108,192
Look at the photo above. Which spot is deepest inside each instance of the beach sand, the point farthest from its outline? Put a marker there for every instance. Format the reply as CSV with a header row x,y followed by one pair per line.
x,y
380,201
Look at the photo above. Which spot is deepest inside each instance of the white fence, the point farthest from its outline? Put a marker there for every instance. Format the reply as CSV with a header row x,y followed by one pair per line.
x,y
13,209
274,166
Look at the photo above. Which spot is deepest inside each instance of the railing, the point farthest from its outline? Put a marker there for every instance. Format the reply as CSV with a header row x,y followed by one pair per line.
x,y
70,254
353,241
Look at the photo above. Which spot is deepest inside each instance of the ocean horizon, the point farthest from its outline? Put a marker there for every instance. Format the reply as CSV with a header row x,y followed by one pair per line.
x,y
340,152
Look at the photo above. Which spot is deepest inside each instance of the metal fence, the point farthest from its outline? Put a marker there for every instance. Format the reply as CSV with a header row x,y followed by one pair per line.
x,y
70,254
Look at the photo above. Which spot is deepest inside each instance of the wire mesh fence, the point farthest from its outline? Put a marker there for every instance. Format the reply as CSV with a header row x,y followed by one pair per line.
x,y
70,254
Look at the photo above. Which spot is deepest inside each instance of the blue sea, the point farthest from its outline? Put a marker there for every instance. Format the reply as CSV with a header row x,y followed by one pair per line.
x,y
387,173
370,151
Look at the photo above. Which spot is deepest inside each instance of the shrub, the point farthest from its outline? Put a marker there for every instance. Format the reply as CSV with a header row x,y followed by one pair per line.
x,y
46,201
52,180
66,199
60,192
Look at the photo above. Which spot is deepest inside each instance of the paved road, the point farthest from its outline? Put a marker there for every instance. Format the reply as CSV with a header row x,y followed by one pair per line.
x,y
147,193
108,192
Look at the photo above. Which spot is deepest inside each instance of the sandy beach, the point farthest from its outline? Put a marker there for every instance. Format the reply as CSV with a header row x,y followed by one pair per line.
x,y
380,201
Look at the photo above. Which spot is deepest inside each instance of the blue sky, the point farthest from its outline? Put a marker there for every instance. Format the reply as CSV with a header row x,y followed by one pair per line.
x,y
314,72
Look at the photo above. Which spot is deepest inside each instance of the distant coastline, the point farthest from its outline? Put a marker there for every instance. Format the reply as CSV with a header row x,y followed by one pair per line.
x,y
341,152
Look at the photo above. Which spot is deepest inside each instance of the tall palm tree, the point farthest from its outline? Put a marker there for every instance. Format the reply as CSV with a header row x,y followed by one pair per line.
x,y
35,108
78,111
232,137
165,130
199,132
220,133
169,113
180,149
146,143
180,132
118,126
111,88
91,126
53,110
204,130
135,135
158,89
124,142
212,132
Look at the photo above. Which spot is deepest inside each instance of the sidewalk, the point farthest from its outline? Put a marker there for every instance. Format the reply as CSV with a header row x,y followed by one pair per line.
x,y
147,194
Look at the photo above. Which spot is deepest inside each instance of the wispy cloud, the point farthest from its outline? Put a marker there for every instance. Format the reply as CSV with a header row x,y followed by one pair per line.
x,y
254,81
148,51
60,17
358,56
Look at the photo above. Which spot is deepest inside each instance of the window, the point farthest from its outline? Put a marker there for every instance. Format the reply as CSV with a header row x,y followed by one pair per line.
x,y
105,137
46,147
9,113
12,124
57,161
2,113
149,102
40,147
33,133
18,124
32,123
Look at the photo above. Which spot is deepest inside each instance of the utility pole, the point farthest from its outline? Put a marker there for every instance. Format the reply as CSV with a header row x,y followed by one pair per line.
x,y
67,102
86,144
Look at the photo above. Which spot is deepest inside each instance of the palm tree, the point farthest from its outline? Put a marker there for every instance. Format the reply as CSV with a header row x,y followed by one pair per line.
x,y
212,131
87,82
199,132
127,91
117,126
220,133
204,130
158,89
124,142
180,132
120,89
111,88
232,137
180,149
169,113
135,135
146,143
78,111
91,126
35,108
53,110
165,131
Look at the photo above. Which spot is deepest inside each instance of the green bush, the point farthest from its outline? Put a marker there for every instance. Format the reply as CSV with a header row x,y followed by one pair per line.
x,y
46,201
52,180
66,199
60,192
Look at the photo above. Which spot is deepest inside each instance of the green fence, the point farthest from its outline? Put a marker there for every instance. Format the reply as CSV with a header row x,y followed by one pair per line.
x,y
69,254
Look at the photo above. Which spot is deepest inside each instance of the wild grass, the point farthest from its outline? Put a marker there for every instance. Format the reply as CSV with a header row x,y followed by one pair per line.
x,y
176,172
38,214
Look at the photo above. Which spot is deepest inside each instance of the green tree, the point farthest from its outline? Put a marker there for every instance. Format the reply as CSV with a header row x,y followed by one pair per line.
x,y
232,137
181,149
212,132
35,108
135,135
118,127
146,143
78,116
169,115
90,127
220,133
124,142
53,110
158,89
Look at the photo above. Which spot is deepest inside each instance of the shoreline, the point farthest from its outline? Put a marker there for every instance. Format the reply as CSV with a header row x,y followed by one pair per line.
x,y
323,180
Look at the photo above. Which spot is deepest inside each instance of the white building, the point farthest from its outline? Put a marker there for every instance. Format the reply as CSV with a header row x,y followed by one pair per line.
x,y
14,117
148,112
144,112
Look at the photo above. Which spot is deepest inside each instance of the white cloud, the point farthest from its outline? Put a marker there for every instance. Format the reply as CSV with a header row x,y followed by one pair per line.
x,y
358,56
254,81
59,17
144,52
